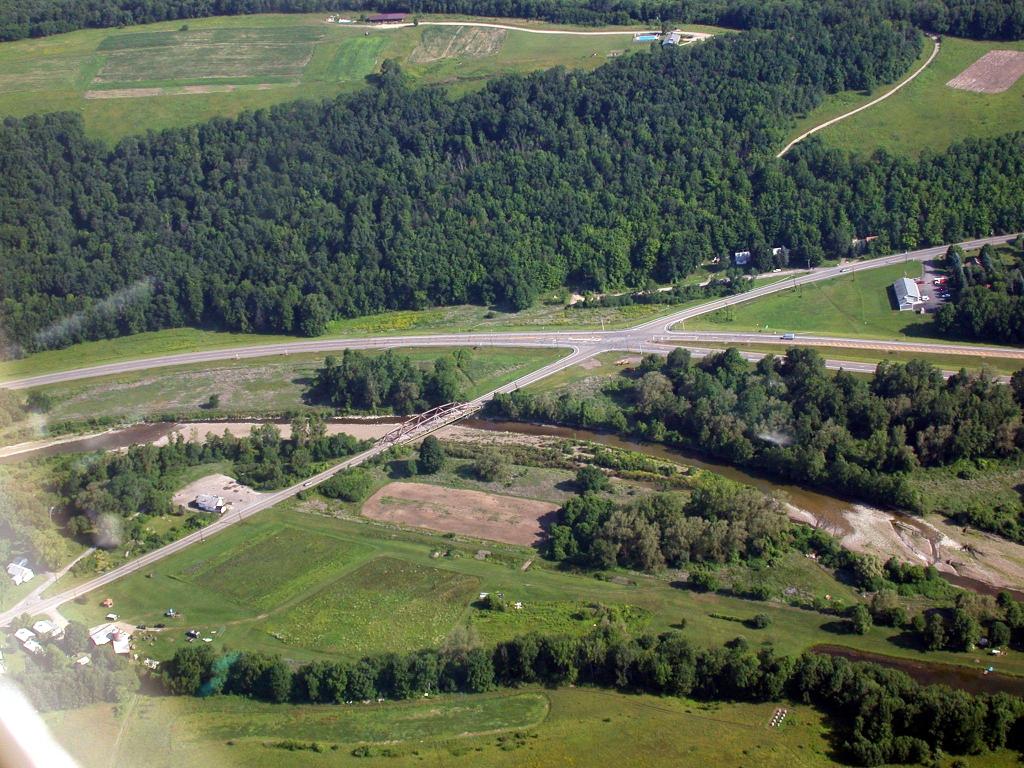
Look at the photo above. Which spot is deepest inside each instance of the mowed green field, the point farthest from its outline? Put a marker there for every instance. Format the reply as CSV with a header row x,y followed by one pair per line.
x,y
566,727
172,74
424,602
259,386
856,304
343,587
927,113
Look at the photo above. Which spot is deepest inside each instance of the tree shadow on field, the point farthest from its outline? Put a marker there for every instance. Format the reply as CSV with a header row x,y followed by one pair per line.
x,y
840,627
908,640
401,469
929,331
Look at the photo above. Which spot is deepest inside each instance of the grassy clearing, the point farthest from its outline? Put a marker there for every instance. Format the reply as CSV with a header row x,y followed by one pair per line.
x,y
989,483
464,318
260,387
251,576
352,606
588,376
344,618
549,617
856,304
999,365
531,727
926,114
179,74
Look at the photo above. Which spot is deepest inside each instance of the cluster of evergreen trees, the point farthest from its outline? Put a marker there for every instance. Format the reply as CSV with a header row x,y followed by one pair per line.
x,y
112,497
790,416
398,198
881,714
367,382
1002,19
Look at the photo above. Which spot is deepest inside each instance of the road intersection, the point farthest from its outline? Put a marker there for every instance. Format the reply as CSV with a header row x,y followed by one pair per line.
x,y
655,336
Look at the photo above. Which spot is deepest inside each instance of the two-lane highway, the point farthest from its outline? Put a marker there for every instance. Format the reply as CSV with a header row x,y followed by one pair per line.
x,y
646,337
634,338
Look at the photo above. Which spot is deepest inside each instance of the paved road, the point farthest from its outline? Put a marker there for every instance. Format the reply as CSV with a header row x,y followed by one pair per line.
x,y
812,340
636,338
37,606
852,112
583,344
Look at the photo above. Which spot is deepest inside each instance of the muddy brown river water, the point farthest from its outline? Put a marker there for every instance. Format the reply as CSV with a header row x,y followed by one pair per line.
x,y
830,512
928,673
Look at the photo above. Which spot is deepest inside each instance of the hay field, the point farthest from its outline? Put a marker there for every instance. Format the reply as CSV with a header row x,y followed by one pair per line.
x,y
994,72
172,74
928,114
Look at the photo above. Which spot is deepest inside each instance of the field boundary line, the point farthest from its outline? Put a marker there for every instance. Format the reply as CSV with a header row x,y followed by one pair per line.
x,y
852,112
694,34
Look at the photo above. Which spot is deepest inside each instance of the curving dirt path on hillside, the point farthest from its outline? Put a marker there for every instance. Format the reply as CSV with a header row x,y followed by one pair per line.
x,y
852,112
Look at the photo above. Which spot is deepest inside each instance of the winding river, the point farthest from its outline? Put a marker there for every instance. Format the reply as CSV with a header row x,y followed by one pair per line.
x,y
905,535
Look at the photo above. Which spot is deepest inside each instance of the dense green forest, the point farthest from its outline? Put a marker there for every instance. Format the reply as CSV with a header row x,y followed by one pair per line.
x,y
880,715
996,19
790,416
987,295
362,382
400,198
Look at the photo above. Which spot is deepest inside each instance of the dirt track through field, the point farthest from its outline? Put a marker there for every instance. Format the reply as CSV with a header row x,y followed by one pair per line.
x,y
481,515
994,72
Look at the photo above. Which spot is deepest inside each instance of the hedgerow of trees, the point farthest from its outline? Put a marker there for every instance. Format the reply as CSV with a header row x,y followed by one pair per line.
x,y
882,716
401,198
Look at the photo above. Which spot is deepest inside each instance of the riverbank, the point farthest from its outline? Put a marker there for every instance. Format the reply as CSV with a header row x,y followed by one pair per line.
x,y
969,559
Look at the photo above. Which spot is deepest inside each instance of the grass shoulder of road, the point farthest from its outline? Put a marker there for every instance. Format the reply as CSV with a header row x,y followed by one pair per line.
x,y
534,727
256,387
997,365
170,74
544,316
927,114
854,305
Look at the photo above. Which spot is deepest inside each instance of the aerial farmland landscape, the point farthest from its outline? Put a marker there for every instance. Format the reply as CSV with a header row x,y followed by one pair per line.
x,y
504,383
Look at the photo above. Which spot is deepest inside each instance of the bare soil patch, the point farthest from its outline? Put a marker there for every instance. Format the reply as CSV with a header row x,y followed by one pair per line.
x,y
994,72
447,42
231,490
197,431
183,90
124,93
481,515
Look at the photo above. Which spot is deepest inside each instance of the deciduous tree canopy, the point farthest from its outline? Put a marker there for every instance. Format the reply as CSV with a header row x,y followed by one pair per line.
x,y
399,198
